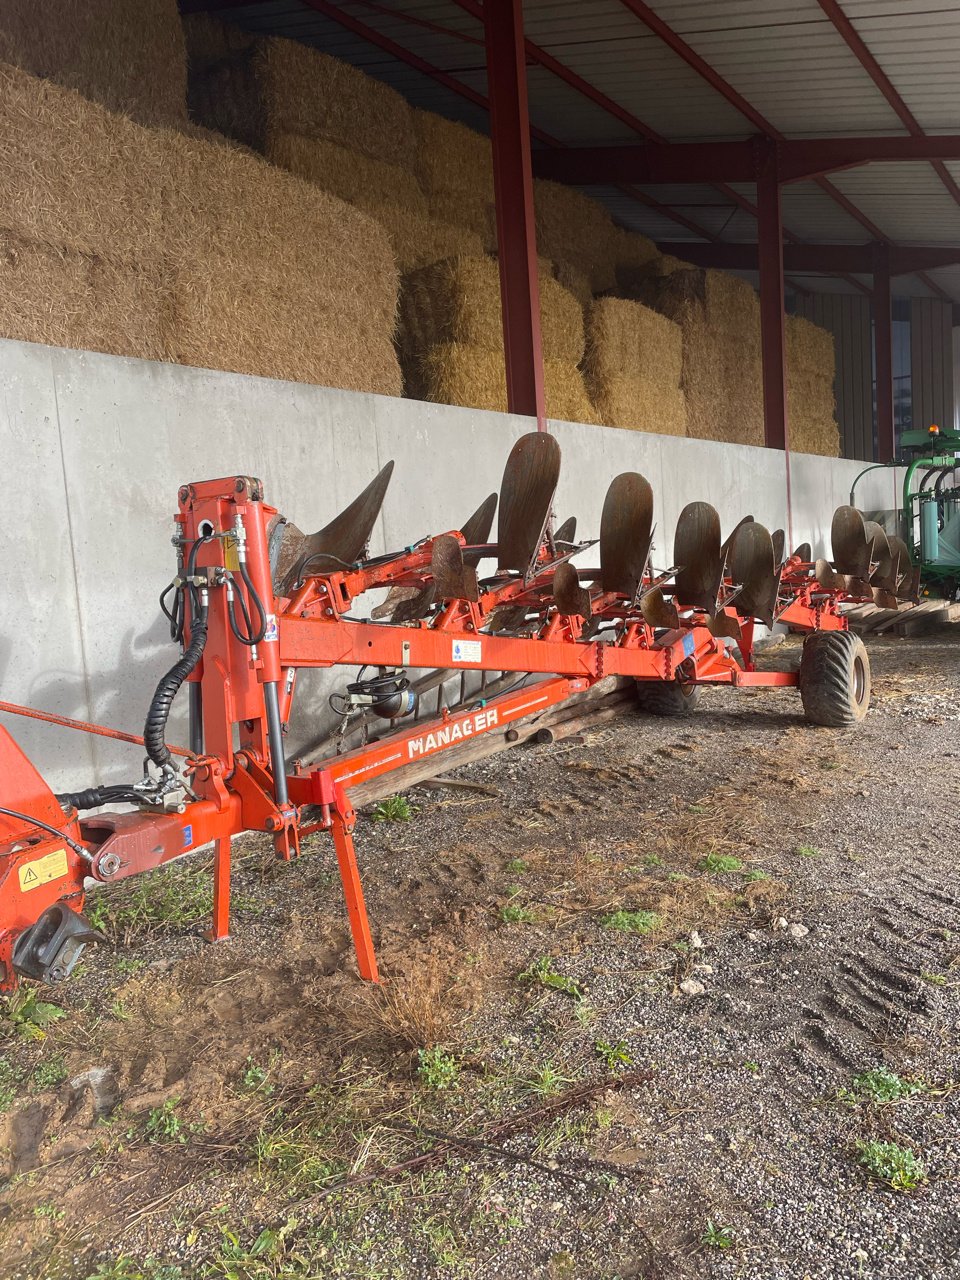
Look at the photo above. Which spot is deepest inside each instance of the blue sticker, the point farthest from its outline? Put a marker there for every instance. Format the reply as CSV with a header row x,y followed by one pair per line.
x,y
688,645
188,835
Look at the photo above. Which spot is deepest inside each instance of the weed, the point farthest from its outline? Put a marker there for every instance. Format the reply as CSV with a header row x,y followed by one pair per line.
x,y
118,1011
10,1077
652,860
256,1079
165,900
720,862
754,874
127,1268
880,1086
51,1211
49,1072
237,1261
888,1162
935,979
677,876
584,1013
717,1237
412,1011
29,1015
514,914
632,921
542,972
615,1056
547,1081
807,851
752,1067
516,866
393,809
437,1069
163,1124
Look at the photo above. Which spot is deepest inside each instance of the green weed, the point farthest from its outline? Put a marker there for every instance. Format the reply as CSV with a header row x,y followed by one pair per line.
x,y
437,1069
632,921
935,979
547,1081
616,1056
888,1162
513,913
49,1072
542,972
29,1016
516,866
719,862
881,1086
163,1124
393,809
807,851
717,1237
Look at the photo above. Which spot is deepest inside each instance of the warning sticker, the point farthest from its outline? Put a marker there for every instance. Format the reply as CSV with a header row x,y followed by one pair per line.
x,y
52,866
466,650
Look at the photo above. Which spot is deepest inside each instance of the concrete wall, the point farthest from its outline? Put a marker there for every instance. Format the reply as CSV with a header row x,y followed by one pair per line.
x,y
94,447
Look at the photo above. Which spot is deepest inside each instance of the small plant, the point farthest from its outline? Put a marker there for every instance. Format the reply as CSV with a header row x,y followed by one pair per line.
x,y
49,1072
717,1237
256,1079
753,875
542,972
127,1268
393,809
888,1162
547,1081
10,1077
807,851
935,979
616,1056
29,1015
51,1211
163,1124
720,862
517,866
513,913
752,1067
437,1069
881,1086
632,921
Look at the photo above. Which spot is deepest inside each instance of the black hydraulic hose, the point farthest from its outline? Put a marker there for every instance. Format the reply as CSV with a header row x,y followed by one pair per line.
x,y
45,826
154,731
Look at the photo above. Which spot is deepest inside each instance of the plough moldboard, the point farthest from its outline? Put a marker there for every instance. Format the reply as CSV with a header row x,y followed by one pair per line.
x,y
255,600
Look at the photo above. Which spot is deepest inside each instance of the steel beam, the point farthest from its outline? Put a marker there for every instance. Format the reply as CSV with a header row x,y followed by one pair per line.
x,y
883,353
828,259
513,192
678,162
772,313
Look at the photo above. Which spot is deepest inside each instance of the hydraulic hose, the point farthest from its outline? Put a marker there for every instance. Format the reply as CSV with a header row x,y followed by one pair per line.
x,y
154,731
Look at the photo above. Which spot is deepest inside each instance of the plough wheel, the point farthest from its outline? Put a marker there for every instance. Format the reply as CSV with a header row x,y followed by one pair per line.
x,y
834,679
667,697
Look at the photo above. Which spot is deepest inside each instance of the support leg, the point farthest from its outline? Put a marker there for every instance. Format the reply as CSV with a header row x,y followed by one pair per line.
x,y
221,891
353,892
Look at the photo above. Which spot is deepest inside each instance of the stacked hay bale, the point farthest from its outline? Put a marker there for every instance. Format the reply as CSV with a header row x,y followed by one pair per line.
x,y
633,367
149,243
811,402
128,55
452,339
576,231
719,316
454,166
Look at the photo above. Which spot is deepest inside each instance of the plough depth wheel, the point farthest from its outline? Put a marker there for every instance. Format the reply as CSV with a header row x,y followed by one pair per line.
x,y
834,679
667,698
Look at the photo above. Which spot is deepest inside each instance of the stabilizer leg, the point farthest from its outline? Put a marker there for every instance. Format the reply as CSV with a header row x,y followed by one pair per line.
x,y
342,832
220,929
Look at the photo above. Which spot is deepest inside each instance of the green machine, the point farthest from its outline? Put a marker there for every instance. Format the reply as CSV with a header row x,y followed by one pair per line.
x,y
930,514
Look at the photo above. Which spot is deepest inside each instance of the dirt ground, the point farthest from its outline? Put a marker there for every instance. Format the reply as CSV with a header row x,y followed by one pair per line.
x,y
678,1000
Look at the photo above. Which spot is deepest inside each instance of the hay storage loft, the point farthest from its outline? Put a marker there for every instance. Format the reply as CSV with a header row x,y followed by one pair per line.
x,y
309,191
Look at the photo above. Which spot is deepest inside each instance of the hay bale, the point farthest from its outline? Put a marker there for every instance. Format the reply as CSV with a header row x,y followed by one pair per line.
x,y
632,252
69,299
719,316
811,402
458,302
345,173
454,166
455,373
633,367
575,281
418,241
257,91
127,55
574,229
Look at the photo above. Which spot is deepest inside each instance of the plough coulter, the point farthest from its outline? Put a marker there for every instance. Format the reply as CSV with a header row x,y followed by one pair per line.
x,y
254,601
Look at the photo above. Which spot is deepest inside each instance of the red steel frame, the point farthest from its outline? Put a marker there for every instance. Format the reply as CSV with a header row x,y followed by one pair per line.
x,y
234,781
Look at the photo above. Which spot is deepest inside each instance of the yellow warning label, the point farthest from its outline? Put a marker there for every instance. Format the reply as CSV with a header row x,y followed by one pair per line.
x,y
52,866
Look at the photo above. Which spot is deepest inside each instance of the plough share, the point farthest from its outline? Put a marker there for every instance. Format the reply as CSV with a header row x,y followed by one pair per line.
x,y
255,600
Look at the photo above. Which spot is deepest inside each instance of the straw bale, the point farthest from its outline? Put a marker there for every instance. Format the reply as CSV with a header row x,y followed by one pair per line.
x,y
811,403
455,373
69,299
641,404
574,229
452,158
625,337
75,176
458,301
208,40
632,251
477,215
418,241
575,281
346,173
127,55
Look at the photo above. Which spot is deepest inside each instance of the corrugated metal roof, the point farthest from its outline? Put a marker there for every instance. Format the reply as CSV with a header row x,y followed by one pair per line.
x,y
784,57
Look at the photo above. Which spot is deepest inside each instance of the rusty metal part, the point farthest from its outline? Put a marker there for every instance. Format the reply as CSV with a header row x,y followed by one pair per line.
x,y
725,624
733,532
881,556
658,611
884,599
571,598
626,533
753,565
394,597
526,494
902,571
779,540
339,543
508,618
696,548
567,532
453,578
476,531
411,608
852,548
804,552
828,578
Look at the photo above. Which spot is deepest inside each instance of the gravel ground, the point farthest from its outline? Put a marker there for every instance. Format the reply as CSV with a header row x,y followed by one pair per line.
x,y
801,896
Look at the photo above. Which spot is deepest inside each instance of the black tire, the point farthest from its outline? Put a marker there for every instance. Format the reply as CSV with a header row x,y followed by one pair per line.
x,y
667,697
835,679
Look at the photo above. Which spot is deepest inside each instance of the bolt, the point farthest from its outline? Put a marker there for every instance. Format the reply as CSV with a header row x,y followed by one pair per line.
x,y
109,864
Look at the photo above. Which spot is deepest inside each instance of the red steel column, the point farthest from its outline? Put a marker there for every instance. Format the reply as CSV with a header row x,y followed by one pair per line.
x,y
513,189
883,352
772,322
